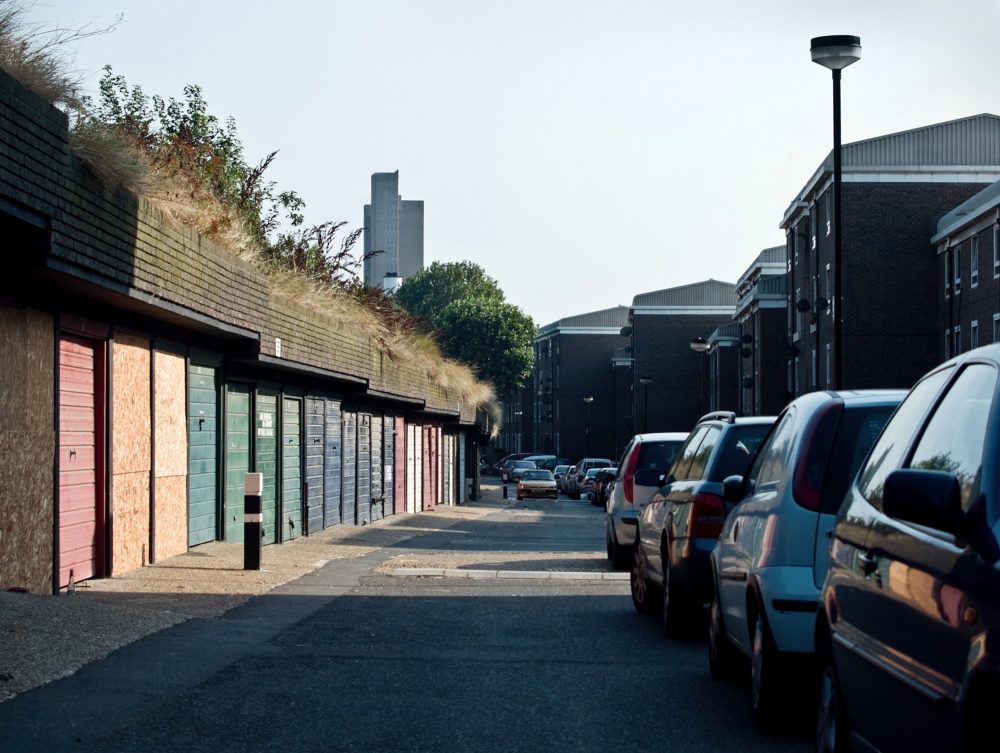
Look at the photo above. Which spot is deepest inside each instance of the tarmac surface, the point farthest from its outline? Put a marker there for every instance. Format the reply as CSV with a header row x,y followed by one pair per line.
x,y
44,637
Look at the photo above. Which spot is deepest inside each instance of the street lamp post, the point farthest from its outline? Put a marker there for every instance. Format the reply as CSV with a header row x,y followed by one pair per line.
x,y
588,400
836,53
701,346
645,381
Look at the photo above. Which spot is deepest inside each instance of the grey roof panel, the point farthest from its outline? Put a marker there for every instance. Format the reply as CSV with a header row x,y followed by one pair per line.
x,y
706,293
773,255
616,317
968,210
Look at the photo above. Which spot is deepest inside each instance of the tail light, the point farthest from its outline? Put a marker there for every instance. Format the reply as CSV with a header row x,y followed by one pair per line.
x,y
807,484
629,476
708,513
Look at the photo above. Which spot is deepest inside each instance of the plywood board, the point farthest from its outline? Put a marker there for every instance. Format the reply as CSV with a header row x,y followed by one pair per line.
x,y
171,428
27,446
130,404
171,516
130,511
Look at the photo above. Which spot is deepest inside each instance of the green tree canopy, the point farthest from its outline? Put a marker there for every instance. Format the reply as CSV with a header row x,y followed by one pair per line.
x,y
428,292
493,336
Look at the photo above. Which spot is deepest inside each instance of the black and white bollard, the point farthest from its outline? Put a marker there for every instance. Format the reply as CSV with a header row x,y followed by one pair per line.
x,y
253,487
505,490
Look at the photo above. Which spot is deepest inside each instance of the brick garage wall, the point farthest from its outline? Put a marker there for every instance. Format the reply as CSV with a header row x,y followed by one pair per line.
x,y
661,347
125,244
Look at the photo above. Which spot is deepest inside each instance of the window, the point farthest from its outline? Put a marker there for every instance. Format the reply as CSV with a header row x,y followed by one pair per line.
x,y
828,365
814,225
947,273
796,315
686,455
947,345
974,262
956,343
829,208
956,265
996,251
769,466
996,328
814,368
967,405
888,452
829,290
974,335
795,380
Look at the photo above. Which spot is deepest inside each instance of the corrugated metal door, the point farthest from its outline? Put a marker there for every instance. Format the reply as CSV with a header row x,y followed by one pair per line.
x,y
427,474
315,447
399,455
333,458
364,468
291,468
389,464
447,483
203,436
237,456
349,466
81,459
378,463
266,462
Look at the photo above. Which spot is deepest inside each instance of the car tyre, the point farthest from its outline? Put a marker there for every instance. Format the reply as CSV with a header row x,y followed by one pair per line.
x,y
723,658
644,593
618,554
670,607
766,676
832,730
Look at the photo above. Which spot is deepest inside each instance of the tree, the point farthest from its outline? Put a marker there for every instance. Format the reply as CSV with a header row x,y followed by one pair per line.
x,y
429,292
492,336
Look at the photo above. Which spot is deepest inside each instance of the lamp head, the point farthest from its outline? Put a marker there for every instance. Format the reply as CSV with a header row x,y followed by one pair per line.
x,y
836,52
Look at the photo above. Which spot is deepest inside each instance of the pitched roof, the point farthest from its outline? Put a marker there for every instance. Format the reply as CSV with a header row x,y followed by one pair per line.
x,y
707,293
614,318
968,211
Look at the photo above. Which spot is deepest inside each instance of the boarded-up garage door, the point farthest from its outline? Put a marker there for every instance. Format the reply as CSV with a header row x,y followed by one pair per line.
x,y
237,456
203,432
81,501
349,467
291,468
314,447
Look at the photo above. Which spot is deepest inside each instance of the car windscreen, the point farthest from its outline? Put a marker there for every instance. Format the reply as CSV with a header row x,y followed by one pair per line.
x,y
658,455
856,433
524,464
537,476
738,450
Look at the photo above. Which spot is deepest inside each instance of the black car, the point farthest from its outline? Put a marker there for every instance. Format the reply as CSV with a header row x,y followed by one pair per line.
x,y
909,616
678,527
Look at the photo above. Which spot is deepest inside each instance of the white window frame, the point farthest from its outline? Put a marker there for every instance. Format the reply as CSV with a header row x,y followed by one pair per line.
x,y
956,266
974,334
974,262
957,341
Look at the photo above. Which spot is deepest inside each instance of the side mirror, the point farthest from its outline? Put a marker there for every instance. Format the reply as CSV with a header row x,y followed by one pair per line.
x,y
927,498
732,489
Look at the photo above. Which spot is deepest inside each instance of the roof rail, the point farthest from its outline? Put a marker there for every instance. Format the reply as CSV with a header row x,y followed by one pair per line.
x,y
720,415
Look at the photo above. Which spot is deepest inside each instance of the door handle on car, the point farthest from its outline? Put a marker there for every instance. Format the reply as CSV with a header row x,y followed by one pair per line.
x,y
867,563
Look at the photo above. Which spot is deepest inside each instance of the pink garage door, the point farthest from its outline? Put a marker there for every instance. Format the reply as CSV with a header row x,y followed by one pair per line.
x,y
80,475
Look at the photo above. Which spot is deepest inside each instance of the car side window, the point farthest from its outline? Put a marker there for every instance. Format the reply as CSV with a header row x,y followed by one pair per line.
x,y
771,462
681,468
700,461
954,438
887,454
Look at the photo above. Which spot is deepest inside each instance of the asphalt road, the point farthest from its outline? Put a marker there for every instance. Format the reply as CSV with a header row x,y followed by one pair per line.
x,y
351,658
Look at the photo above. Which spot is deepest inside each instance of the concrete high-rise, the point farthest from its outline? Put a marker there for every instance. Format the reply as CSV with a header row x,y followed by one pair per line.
x,y
395,228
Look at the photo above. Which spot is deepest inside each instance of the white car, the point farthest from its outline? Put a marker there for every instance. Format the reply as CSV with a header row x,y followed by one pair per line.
x,y
771,558
646,458
537,483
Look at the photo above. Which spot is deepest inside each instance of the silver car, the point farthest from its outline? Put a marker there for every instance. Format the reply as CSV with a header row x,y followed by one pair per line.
x,y
646,458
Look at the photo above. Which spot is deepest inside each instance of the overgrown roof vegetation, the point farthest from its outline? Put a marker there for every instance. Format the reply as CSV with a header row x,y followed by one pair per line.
x,y
193,167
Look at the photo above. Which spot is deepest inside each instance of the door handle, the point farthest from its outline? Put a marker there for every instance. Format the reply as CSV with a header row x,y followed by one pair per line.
x,y
868,563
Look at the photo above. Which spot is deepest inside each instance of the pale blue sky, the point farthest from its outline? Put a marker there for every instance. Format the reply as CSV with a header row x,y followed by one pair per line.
x,y
581,152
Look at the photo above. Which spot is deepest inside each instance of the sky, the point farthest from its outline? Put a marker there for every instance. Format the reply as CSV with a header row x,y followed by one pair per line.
x,y
581,152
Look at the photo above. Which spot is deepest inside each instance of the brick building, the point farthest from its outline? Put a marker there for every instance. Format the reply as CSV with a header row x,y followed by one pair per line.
x,y
967,245
720,382
895,189
665,370
761,312
573,359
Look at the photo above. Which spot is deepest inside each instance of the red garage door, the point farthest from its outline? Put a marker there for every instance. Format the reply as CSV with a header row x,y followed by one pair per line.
x,y
81,475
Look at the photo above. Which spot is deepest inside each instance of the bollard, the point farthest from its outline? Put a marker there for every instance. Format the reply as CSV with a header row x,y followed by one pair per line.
x,y
253,487
505,490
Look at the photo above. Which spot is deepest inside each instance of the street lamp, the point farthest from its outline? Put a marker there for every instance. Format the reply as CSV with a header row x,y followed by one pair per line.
x,y
645,381
520,430
836,53
701,346
588,400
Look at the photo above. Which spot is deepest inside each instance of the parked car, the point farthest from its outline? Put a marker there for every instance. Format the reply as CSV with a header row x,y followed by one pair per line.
x,y
771,557
559,472
537,483
541,460
641,472
910,609
574,480
587,485
508,459
516,470
677,528
551,462
602,480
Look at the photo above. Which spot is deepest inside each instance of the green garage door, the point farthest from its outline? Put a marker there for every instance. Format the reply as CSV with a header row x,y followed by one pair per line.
x,y
291,468
266,462
203,433
237,456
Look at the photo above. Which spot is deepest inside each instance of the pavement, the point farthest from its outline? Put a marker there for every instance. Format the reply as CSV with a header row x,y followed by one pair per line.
x,y
45,637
